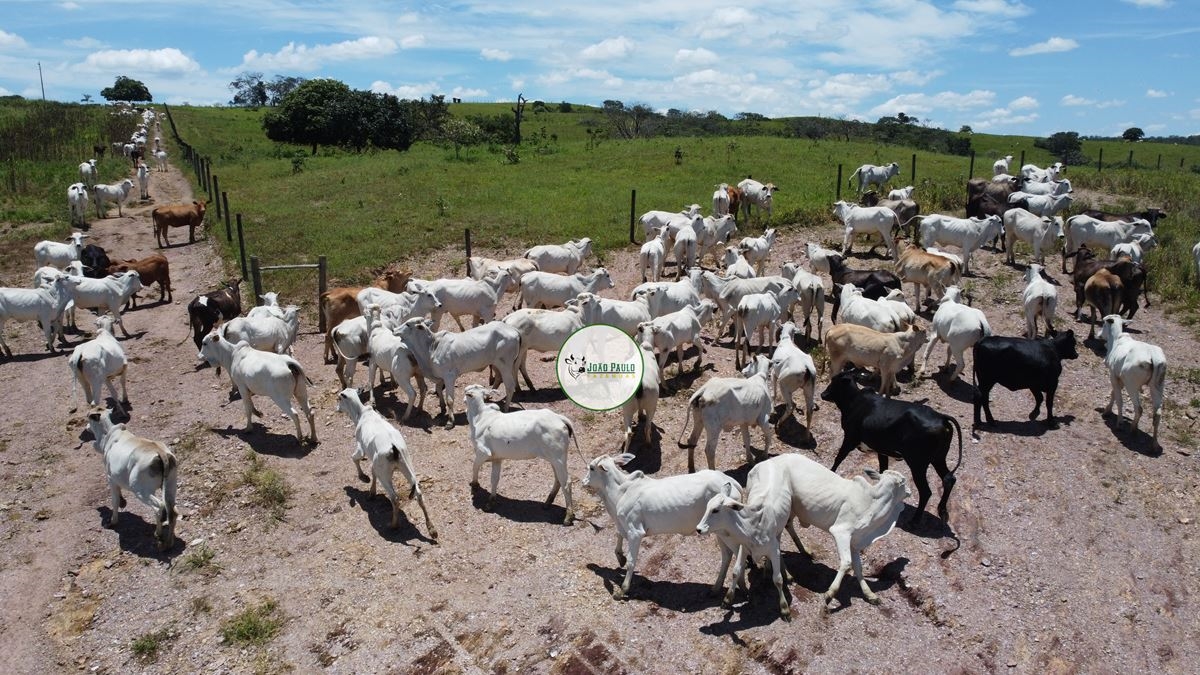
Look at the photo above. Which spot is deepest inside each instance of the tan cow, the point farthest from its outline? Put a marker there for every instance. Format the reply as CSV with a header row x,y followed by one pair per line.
x,y
177,215
864,347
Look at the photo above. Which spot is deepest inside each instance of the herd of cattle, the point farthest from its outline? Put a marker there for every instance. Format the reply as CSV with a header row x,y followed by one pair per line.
x,y
394,326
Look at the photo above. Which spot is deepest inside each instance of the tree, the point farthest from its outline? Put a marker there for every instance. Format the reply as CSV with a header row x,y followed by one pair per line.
x,y
306,114
1133,134
87,98
519,111
1064,145
126,89
281,86
965,129
636,121
461,133
249,90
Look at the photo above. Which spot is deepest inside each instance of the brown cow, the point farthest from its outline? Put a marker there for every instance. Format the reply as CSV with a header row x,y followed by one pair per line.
x,y
177,215
151,269
339,304
735,200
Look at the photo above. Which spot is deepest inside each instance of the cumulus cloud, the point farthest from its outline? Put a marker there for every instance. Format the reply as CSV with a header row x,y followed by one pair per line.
x,y
607,50
168,60
926,103
1072,100
559,77
489,54
1002,8
69,6
724,22
1023,103
1054,44
293,57
409,91
411,42
5,92
11,40
1156,93
913,78
696,57
1000,117
1157,4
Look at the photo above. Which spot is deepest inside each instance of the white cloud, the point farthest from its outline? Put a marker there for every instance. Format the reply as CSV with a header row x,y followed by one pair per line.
x,y
725,22
293,57
921,104
5,92
168,60
11,40
409,91
1156,93
696,57
913,78
408,42
468,93
1000,117
559,77
489,54
69,6
85,43
1073,100
1023,103
1157,4
1003,8
608,50
1054,44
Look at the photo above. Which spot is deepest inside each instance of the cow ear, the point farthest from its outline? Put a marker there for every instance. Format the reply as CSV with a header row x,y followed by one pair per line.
x,y
871,473
623,458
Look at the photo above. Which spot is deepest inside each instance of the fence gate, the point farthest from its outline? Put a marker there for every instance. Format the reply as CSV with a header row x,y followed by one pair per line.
x,y
256,271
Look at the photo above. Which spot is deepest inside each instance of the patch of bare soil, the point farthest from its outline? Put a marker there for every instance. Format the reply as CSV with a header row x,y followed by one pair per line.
x,y
1067,550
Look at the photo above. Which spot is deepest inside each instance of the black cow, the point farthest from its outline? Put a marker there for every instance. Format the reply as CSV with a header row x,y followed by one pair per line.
x,y
913,432
873,283
95,261
204,311
1151,215
1021,363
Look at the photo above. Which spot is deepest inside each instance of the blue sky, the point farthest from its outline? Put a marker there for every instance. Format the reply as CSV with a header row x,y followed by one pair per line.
x,y
1000,66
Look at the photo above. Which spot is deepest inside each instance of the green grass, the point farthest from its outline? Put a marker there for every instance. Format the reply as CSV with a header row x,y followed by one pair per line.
x,y
270,489
256,625
147,645
199,558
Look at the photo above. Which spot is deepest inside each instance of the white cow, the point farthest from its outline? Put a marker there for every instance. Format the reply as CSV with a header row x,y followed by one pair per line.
x,y
517,435
1133,365
543,330
102,194
869,174
759,195
959,326
758,249
1040,233
77,201
1040,298
641,506
653,256
1001,165
812,295
1099,234
792,370
565,258
644,402
901,193
792,487
95,363
548,290
87,173
867,220
968,234
381,444
729,402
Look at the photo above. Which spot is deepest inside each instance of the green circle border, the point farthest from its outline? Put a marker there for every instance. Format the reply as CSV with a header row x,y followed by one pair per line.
x,y
638,348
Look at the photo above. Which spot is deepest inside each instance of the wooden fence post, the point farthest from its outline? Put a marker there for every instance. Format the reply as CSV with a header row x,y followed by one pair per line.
x,y
1100,162
1022,161
217,192
242,245
467,247
838,188
913,176
322,285
256,277
632,213
971,168
1159,165
208,176
228,231
1130,159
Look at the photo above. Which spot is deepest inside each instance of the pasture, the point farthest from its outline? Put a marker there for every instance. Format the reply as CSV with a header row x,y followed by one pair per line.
x,y
1065,550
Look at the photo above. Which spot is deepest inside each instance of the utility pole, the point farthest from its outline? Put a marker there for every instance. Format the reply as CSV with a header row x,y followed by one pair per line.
x,y
41,81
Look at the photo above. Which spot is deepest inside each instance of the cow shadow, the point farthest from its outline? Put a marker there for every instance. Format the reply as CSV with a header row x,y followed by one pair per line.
x,y
34,357
1025,428
790,431
647,456
136,535
264,442
924,524
379,514
1139,440
684,379
545,395
958,388
678,596
519,510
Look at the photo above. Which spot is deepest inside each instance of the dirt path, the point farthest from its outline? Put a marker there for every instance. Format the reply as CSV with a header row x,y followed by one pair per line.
x,y
1078,546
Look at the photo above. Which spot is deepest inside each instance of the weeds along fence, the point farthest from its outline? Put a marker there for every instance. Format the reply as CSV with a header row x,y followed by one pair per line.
x,y
211,184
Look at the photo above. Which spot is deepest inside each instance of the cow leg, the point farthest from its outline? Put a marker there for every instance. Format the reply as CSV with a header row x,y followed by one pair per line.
x,y
1037,404
525,373
791,529
618,551
481,456
924,492
982,395
745,443
115,501
1115,397
785,611
856,560
948,480
1135,397
726,557
925,359
710,446
841,538
244,393
764,423
635,541
562,478
496,463
848,444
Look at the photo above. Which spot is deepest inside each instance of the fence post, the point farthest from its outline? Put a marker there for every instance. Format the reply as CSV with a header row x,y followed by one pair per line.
x,y
467,246
321,287
256,277
1181,162
226,199
971,169
217,192
1022,160
1159,165
1130,162
913,177
242,245
208,176
838,188
632,213
1100,162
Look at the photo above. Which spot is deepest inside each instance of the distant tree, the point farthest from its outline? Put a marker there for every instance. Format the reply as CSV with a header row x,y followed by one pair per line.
x,y
1065,146
518,112
965,129
281,86
565,107
249,90
750,117
635,121
87,98
126,89
460,133
1133,134
306,115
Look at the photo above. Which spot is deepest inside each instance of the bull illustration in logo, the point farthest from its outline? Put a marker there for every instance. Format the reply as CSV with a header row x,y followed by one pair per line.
x,y
576,365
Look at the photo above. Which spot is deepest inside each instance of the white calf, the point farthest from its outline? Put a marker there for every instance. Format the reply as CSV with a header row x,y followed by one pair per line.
x,y
720,200
1133,364
966,233
812,295
728,402
95,363
1001,165
761,313
543,330
670,332
103,194
759,195
625,315
140,465
548,290
110,293
736,264
818,257
265,331
641,506
1040,233
901,193
58,254
77,201
866,220
653,256
869,174
278,377
521,434
383,446
959,326
1135,250
1039,298
565,258
143,177
87,173
389,355
44,305
758,249
160,160
792,370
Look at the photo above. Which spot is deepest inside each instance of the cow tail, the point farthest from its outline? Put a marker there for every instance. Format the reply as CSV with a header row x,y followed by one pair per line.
x,y
75,365
959,429
850,180
571,434
692,403
1158,378
297,375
